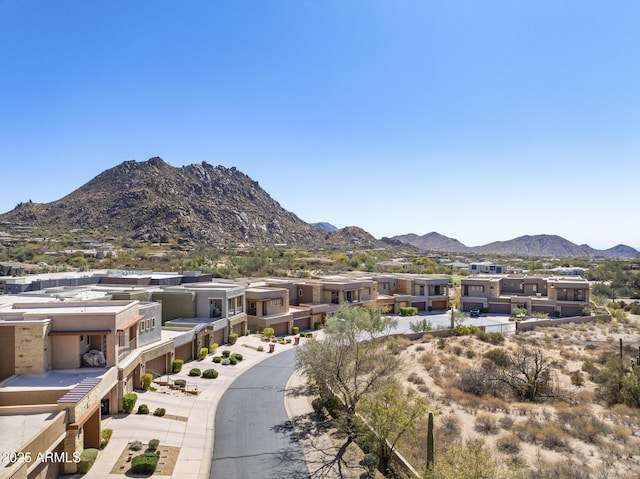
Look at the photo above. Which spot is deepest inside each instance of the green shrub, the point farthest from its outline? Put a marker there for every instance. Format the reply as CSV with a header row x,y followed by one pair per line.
x,y
143,409
216,359
147,378
260,348
408,311
160,411
268,333
135,446
105,434
153,444
233,361
180,382
226,353
295,330
498,356
203,352
462,330
317,325
195,372
87,458
213,347
238,356
210,374
145,463
176,366
334,406
129,401
233,338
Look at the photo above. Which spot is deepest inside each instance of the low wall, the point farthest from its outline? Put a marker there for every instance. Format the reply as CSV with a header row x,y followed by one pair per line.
x,y
545,323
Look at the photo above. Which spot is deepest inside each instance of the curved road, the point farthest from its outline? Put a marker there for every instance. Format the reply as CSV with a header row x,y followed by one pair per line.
x,y
253,435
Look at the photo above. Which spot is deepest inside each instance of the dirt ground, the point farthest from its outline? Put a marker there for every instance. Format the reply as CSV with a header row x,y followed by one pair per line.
x,y
168,457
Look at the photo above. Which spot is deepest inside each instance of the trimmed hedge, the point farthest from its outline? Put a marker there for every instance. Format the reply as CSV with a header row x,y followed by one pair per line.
x,y
210,374
213,347
204,352
147,379
160,411
176,366
238,356
233,338
105,434
226,353
217,359
145,463
408,311
195,372
233,361
129,402
153,444
87,458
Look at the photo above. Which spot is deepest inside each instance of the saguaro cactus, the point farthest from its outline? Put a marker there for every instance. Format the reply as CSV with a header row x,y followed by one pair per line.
x,y
430,447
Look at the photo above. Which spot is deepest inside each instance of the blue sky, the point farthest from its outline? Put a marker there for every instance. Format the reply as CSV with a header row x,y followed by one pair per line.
x,y
481,120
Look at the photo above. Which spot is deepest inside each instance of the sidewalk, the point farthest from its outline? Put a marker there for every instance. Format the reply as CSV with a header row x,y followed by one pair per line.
x,y
192,427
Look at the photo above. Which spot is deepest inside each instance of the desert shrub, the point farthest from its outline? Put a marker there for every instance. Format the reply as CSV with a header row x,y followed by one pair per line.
x,y
560,470
491,338
203,353
415,378
281,341
238,356
317,325
370,462
528,430
105,436
147,378
87,458
553,438
135,446
486,424
159,412
260,348
620,433
216,359
213,347
441,343
420,348
226,353
232,360
506,422
295,330
180,383
153,444
397,344
195,372
210,374
143,409
129,401
449,426
508,444
233,338
145,463
462,330
176,366
576,378
408,311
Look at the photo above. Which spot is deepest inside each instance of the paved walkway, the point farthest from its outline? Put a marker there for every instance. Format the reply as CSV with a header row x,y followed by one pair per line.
x,y
192,429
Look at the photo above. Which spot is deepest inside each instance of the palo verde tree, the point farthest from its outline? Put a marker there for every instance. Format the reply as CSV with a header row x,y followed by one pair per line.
x,y
352,360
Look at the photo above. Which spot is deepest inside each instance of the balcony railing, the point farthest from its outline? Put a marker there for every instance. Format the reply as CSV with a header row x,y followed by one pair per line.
x,y
124,351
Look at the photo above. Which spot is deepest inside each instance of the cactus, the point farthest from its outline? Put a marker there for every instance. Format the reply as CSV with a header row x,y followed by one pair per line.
x,y
430,447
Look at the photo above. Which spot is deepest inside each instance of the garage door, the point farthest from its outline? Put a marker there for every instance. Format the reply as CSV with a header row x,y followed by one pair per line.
x,y
281,329
303,324
422,306
184,352
218,337
500,308
469,306
568,311
439,305
156,366
238,329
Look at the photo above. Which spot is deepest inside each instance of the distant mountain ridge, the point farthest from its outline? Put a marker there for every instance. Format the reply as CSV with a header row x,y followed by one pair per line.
x,y
324,226
535,245
193,204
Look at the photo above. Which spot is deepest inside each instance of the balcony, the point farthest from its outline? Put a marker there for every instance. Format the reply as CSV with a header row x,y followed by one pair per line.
x,y
124,351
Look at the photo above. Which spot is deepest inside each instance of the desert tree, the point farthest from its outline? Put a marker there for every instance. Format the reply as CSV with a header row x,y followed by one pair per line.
x,y
530,374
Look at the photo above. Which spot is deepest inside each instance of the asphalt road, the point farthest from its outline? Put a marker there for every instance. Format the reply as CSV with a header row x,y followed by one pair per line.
x,y
253,435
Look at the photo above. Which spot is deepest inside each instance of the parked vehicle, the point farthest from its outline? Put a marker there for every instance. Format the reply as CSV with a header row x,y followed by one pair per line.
x,y
474,313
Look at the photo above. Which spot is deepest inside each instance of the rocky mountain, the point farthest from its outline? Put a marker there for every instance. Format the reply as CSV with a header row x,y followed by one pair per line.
x,y
324,226
201,203
536,245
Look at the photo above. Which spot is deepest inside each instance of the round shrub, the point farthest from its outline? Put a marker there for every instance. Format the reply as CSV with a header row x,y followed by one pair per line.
x,y
233,361
87,458
160,411
213,347
260,348
295,330
233,338
238,356
135,446
203,352
195,372
226,353
217,359
143,409
210,374
145,463
153,444
147,378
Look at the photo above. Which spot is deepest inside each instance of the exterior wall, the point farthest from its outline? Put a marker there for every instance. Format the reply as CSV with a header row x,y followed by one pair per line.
x,y
7,351
152,330
66,352
32,347
176,304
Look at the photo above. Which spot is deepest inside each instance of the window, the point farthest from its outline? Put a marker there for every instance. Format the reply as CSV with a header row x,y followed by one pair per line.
x,y
81,338
153,323
148,324
277,302
475,288
87,340
141,326
299,292
240,304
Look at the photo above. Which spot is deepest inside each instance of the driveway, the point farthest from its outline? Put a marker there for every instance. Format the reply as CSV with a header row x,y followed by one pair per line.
x,y
253,434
